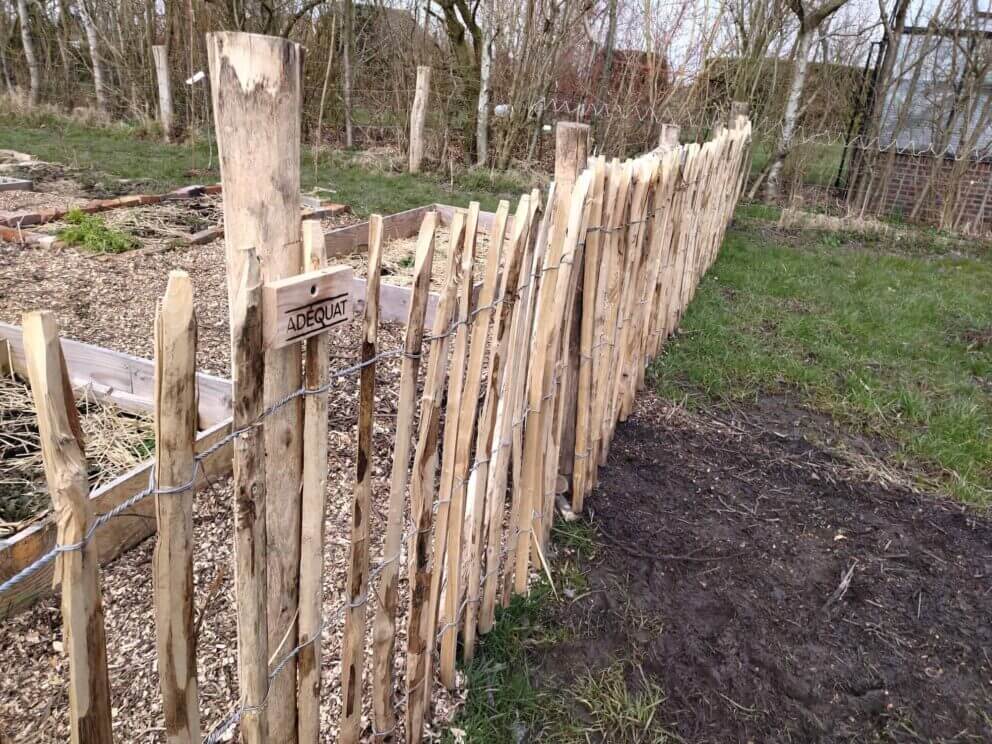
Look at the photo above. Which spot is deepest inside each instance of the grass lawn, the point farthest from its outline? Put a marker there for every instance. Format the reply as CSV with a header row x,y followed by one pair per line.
x,y
889,338
122,152
818,162
503,703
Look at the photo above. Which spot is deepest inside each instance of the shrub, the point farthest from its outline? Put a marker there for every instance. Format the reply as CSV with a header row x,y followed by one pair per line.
x,y
91,233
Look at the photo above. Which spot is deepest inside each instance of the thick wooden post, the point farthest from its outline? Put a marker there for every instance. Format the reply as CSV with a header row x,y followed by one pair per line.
x,y
172,574
316,363
384,628
669,137
358,586
739,111
417,116
77,570
571,153
250,556
256,98
161,56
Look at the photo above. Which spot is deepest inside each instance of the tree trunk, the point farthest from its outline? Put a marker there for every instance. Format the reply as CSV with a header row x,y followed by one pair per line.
x,y
606,71
791,118
347,32
482,116
34,70
93,42
161,55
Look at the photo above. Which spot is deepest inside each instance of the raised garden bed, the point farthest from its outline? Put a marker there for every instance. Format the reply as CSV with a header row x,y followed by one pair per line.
x,y
127,383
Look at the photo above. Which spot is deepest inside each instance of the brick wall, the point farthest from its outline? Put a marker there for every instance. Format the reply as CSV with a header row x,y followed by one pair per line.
x,y
897,181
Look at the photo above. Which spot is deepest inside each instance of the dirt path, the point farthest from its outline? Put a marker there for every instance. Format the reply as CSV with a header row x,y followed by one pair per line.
x,y
777,593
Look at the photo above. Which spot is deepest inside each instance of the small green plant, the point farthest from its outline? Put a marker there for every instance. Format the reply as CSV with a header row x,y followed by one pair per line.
x,y
91,233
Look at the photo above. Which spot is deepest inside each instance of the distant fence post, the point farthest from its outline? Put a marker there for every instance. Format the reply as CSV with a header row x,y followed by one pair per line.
x,y
669,137
172,565
160,53
571,154
256,88
739,111
76,570
417,117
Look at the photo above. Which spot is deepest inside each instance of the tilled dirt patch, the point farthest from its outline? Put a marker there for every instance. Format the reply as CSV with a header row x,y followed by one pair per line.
x,y
780,593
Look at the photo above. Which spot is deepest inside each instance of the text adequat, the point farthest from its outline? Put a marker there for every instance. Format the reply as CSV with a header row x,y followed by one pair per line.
x,y
304,305
317,316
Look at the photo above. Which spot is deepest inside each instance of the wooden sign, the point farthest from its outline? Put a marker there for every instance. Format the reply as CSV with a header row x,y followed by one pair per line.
x,y
302,306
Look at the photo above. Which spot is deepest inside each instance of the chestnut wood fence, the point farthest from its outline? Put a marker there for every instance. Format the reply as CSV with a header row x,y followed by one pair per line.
x,y
509,394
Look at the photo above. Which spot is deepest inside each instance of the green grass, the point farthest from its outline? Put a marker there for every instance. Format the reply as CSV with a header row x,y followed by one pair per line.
x,y
883,335
504,705
818,162
91,233
105,154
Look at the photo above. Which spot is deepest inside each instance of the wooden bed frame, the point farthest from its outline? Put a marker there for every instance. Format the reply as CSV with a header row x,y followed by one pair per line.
x,y
128,382
394,302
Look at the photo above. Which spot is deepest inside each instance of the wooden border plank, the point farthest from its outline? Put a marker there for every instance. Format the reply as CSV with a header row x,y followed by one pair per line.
x,y
112,374
114,537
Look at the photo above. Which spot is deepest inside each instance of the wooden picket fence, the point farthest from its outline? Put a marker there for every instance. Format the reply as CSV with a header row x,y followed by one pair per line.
x,y
523,378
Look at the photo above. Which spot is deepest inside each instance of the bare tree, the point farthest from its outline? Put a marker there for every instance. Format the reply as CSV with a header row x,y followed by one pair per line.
x,y
30,55
93,41
810,21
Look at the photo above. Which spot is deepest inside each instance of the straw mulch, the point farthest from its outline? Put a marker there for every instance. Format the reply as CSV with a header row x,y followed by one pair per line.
x,y
115,441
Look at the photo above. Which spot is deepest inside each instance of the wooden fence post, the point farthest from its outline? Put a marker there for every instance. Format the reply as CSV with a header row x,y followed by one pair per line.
x,y
359,583
384,627
479,335
478,507
77,570
522,340
448,486
669,137
250,551
161,56
316,362
739,111
255,83
583,455
571,154
175,432
417,116
420,641
514,365
548,319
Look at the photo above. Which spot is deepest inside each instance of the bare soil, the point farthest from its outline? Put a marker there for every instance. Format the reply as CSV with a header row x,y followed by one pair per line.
x,y
778,591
